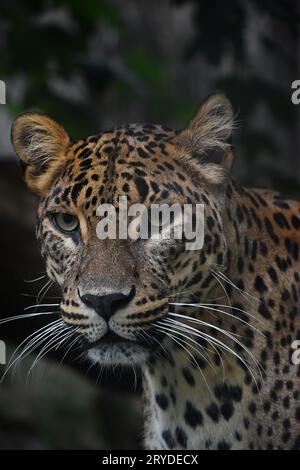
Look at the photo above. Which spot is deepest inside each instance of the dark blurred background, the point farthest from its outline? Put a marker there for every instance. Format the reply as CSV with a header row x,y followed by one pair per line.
x,y
92,64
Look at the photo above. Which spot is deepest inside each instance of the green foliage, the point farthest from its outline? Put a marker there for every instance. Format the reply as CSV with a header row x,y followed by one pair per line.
x,y
41,50
220,31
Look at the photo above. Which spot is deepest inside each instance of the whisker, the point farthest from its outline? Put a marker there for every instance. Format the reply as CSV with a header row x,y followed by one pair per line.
x,y
35,280
232,336
78,338
152,338
28,315
223,345
215,349
40,305
179,342
239,310
24,294
43,291
37,340
193,341
204,323
35,334
69,334
135,378
177,294
242,292
55,339
211,308
33,343
222,287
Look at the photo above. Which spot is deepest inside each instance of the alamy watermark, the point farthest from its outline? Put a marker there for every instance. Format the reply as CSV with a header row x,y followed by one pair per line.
x,y
296,353
295,97
159,222
2,92
2,353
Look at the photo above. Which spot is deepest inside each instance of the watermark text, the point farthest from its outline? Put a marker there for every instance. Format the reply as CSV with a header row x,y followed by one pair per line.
x,y
157,222
2,92
2,353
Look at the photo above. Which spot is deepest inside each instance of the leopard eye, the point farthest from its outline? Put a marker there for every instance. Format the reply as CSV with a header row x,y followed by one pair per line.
x,y
66,222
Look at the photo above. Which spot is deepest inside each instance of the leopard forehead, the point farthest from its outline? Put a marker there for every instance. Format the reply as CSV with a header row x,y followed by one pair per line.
x,y
135,151
134,160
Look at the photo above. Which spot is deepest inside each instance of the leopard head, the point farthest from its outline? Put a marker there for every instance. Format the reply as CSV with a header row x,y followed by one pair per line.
x,y
114,290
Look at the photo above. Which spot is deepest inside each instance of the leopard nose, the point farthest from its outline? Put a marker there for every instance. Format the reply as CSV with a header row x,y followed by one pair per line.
x,y
107,305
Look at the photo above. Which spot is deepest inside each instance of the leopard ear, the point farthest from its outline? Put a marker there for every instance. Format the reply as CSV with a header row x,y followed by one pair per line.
x,y
41,144
207,140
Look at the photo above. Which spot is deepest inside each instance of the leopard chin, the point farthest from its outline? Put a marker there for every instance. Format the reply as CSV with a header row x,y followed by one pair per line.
x,y
125,353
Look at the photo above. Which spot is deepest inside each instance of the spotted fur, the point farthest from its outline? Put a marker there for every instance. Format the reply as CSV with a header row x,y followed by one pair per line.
x,y
212,330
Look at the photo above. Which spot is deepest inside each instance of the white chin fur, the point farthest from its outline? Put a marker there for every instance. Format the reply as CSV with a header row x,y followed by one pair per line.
x,y
118,354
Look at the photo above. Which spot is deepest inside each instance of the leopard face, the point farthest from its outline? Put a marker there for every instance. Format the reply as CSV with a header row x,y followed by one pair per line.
x,y
113,290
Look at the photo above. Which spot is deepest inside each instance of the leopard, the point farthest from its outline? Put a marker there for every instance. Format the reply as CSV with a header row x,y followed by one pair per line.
x,y
214,331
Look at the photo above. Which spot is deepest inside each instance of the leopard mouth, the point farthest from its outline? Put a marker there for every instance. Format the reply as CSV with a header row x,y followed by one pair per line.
x,y
113,349
111,339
